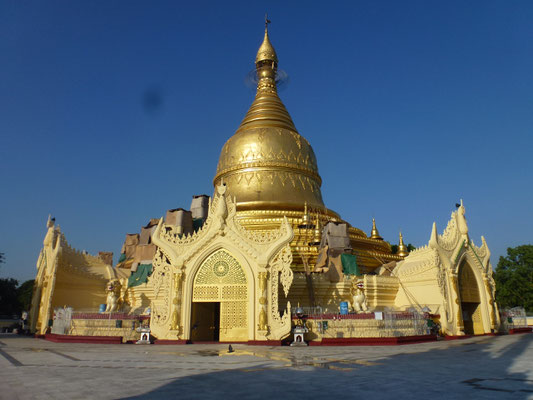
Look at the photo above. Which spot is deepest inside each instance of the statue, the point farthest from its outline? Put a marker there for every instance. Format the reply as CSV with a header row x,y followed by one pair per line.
x,y
461,220
113,292
358,298
221,210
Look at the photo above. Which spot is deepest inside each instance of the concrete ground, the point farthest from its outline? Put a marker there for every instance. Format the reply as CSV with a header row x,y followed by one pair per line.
x,y
476,368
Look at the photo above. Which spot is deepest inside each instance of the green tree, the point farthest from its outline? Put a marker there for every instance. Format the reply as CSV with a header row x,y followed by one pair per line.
x,y
514,278
9,304
394,248
24,293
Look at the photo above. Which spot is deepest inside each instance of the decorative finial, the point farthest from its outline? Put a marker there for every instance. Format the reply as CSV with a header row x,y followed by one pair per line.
x,y
318,230
305,218
461,221
266,53
375,234
402,248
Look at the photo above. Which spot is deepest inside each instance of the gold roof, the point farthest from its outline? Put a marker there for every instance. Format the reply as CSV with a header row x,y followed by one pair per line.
x,y
267,164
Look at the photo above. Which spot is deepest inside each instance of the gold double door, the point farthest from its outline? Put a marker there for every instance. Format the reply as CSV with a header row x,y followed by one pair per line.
x,y
219,321
220,301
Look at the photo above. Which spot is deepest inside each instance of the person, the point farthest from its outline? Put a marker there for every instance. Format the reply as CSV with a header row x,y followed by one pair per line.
x,y
430,325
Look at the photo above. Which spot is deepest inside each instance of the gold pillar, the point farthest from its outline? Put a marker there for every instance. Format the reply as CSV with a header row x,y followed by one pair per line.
x,y
459,318
263,320
175,323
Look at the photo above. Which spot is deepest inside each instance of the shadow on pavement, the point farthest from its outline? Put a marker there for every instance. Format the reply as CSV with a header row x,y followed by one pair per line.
x,y
467,370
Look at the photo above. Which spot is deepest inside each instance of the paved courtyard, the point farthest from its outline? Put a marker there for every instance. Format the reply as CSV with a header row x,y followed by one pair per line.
x,y
476,368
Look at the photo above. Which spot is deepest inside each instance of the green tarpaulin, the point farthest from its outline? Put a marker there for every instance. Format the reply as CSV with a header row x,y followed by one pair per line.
x,y
349,265
141,275
122,257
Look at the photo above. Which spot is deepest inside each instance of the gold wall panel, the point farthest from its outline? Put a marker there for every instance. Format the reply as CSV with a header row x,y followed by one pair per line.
x,y
234,293
233,321
206,293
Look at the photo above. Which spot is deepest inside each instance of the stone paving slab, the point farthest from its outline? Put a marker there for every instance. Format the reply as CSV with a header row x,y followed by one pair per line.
x,y
476,368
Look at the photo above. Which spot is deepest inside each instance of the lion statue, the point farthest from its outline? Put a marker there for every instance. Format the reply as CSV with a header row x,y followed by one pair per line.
x,y
113,289
358,298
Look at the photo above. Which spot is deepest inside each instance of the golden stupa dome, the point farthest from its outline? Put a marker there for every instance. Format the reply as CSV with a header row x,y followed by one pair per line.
x,y
267,164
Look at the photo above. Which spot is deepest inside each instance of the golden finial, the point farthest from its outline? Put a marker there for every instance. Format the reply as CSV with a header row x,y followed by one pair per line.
x,y
305,218
402,248
318,230
266,51
375,234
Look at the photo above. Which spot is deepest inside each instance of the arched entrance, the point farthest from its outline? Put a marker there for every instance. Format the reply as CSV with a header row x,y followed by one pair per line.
x,y
470,301
220,300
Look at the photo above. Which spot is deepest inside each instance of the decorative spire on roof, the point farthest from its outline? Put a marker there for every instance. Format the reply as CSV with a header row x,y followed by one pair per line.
x,y
402,248
266,52
266,64
267,109
318,230
305,217
375,233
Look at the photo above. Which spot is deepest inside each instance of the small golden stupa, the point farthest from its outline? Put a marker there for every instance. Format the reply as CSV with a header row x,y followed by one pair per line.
x,y
272,172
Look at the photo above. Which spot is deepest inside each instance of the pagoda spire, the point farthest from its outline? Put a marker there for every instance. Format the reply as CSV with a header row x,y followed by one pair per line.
x,y
266,64
267,110
375,233
402,248
266,52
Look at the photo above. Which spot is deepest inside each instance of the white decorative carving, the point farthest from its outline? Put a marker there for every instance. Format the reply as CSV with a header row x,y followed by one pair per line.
x,y
417,264
161,281
448,240
260,246
263,251
461,220
161,270
280,273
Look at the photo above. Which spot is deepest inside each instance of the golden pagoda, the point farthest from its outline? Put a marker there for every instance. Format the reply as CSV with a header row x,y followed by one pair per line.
x,y
233,268
272,172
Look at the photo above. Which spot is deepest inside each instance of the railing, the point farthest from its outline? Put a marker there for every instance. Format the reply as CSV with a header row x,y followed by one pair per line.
x,y
307,310
513,318
391,323
117,315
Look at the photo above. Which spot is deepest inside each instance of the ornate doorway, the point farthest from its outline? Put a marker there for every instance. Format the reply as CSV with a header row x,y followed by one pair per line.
x,y
205,322
470,301
220,284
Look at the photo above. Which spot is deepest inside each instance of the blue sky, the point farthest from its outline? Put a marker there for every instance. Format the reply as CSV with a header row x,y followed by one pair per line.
x,y
112,112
